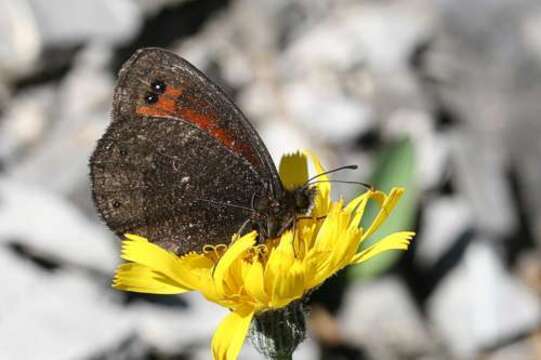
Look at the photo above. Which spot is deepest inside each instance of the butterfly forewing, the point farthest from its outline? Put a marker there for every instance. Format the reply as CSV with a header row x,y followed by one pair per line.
x,y
189,96
179,164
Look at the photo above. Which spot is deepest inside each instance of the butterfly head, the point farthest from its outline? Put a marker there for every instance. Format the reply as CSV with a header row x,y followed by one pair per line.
x,y
274,216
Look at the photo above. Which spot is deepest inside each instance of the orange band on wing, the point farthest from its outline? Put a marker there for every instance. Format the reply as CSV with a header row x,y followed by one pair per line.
x,y
209,124
167,106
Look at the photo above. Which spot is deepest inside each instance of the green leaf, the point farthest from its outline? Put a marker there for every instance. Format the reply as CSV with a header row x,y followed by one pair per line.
x,y
395,167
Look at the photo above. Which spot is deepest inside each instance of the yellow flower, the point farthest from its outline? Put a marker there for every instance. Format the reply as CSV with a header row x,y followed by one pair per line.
x,y
250,278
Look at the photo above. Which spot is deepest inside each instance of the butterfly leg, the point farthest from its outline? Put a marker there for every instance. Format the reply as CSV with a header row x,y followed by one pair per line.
x,y
243,226
310,218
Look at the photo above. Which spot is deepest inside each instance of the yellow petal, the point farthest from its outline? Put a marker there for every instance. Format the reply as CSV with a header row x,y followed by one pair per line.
x,y
396,241
293,170
331,228
305,230
357,207
289,286
323,186
316,269
137,249
236,250
254,282
280,258
197,261
284,273
389,202
139,278
201,269
336,244
229,337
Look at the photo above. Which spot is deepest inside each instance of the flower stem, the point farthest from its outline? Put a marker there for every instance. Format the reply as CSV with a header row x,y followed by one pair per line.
x,y
277,333
283,357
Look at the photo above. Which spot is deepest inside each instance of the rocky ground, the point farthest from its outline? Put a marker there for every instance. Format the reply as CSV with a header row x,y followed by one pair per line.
x,y
460,79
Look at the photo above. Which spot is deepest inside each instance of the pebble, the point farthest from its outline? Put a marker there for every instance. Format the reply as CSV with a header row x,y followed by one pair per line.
x,y
471,307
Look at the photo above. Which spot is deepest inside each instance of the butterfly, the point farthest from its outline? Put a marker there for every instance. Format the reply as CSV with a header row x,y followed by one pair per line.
x,y
181,165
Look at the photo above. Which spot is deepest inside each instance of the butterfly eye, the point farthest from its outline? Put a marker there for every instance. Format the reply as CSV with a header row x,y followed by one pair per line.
x,y
158,86
116,204
151,98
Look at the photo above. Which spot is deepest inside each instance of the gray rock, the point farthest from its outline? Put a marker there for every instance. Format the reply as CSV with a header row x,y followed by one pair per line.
x,y
51,227
521,350
25,123
338,75
351,34
439,233
131,348
326,114
58,316
479,303
487,53
59,161
381,317
432,149
171,329
531,33
313,69
481,177
20,41
5,94
307,350
64,22
281,137
150,7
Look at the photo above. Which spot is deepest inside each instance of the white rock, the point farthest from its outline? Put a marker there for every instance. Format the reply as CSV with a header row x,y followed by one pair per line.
x,y
481,177
26,121
325,113
152,6
50,226
307,350
59,161
172,329
354,34
479,303
55,316
330,45
531,32
522,350
432,150
259,101
381,317
20,41
64,22
281,138
445,219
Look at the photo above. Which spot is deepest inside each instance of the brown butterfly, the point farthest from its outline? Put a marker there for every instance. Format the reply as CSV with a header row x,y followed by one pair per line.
x,y
181,165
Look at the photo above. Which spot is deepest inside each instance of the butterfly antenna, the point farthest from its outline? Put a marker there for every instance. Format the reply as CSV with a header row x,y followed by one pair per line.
x,y
346,167
365,185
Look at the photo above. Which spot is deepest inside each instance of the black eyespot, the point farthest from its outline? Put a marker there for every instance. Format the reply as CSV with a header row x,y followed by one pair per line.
x,y
116,204
151,98
158,86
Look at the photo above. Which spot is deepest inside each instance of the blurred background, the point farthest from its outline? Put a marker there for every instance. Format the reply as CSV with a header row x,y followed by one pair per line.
x,y
442,97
